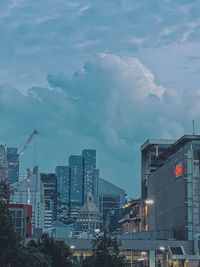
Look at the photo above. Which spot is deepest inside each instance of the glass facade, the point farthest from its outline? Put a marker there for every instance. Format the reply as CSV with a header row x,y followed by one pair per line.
x,y
76,188
13,164
50,192
63,183
89,165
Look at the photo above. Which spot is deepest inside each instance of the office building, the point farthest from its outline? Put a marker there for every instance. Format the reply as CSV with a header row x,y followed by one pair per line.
x,y
149,151
63,184
20,196
63,193
21,215
50,196
3,163
89,165
111,200
13,165
76,188
131,221
174,187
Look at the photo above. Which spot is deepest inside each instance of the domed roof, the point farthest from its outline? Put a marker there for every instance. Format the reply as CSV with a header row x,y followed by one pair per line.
x,y
89,206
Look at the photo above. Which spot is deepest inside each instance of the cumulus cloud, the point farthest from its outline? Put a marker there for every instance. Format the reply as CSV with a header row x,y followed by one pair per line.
x,y
112,104
57,36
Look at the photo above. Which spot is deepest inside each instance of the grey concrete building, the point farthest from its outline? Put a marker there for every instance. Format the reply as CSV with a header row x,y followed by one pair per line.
x,y
149,152
174,186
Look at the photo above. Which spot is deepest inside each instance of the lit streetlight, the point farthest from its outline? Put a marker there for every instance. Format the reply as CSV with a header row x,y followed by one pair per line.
x,y
149,201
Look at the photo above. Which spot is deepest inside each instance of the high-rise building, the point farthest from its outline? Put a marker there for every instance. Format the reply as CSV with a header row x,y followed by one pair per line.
x,y
76,188
111,200
63,184
89,165
13,165
149,151
63,193
50,194
174,188
3,163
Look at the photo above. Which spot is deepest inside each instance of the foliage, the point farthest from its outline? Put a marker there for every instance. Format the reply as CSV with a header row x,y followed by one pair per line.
x,y
46,252
57,251
105,253
29,256
9,241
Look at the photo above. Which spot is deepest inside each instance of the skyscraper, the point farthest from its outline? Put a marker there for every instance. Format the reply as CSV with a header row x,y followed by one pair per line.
x,y
76,188
63,183
13,165
89,165
50,193
63,190
3,163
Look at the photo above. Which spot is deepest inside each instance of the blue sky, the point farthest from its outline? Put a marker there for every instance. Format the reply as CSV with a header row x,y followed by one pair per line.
x,y
98,74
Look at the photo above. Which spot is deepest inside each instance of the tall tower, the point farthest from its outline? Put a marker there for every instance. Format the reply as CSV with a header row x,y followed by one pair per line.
x,y
3,163
13,165
76,188
90,174
63,192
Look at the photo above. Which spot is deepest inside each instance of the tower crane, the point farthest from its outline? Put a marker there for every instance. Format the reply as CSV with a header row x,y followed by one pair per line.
x,y
21,152
35,132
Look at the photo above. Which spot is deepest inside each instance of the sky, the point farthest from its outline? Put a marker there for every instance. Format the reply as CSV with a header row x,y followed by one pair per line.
x,y
96,74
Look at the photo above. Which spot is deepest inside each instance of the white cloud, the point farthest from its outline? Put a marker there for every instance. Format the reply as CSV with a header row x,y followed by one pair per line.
x,y
113,104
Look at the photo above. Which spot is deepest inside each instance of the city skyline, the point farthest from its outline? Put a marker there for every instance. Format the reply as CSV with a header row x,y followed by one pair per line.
x,y
98,74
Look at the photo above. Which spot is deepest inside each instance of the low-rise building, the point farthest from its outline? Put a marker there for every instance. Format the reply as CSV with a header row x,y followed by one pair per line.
x,y
22,219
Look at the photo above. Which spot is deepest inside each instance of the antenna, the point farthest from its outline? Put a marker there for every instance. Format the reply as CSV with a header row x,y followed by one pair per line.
x,y
193,126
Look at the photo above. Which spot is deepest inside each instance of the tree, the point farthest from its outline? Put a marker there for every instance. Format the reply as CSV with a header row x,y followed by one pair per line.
x,y
29,256
105,253
57,251
9,240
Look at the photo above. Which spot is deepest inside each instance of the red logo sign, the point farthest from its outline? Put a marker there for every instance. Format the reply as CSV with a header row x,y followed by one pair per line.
x,y
178,170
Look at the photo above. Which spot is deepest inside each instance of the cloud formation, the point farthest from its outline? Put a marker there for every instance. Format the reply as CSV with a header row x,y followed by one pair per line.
x,y
112,104
59,36
108,102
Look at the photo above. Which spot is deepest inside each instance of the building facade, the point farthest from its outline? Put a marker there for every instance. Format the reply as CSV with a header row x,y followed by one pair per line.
x,y
89,168
77,185
89,218
63,184
13,165
174,187
111,200
20,196
63,193
49,182
3,163
149,152
131,221
21,215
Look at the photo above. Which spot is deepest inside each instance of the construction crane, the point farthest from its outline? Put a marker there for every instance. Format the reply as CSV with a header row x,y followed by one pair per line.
x,y
35,132
21,152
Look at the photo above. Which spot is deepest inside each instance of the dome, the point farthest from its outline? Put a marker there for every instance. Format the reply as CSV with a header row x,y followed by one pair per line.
x,y
89,206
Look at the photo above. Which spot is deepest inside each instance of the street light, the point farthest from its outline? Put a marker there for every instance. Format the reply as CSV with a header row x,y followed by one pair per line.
x,y
72,247
97,231
149,201
162,248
